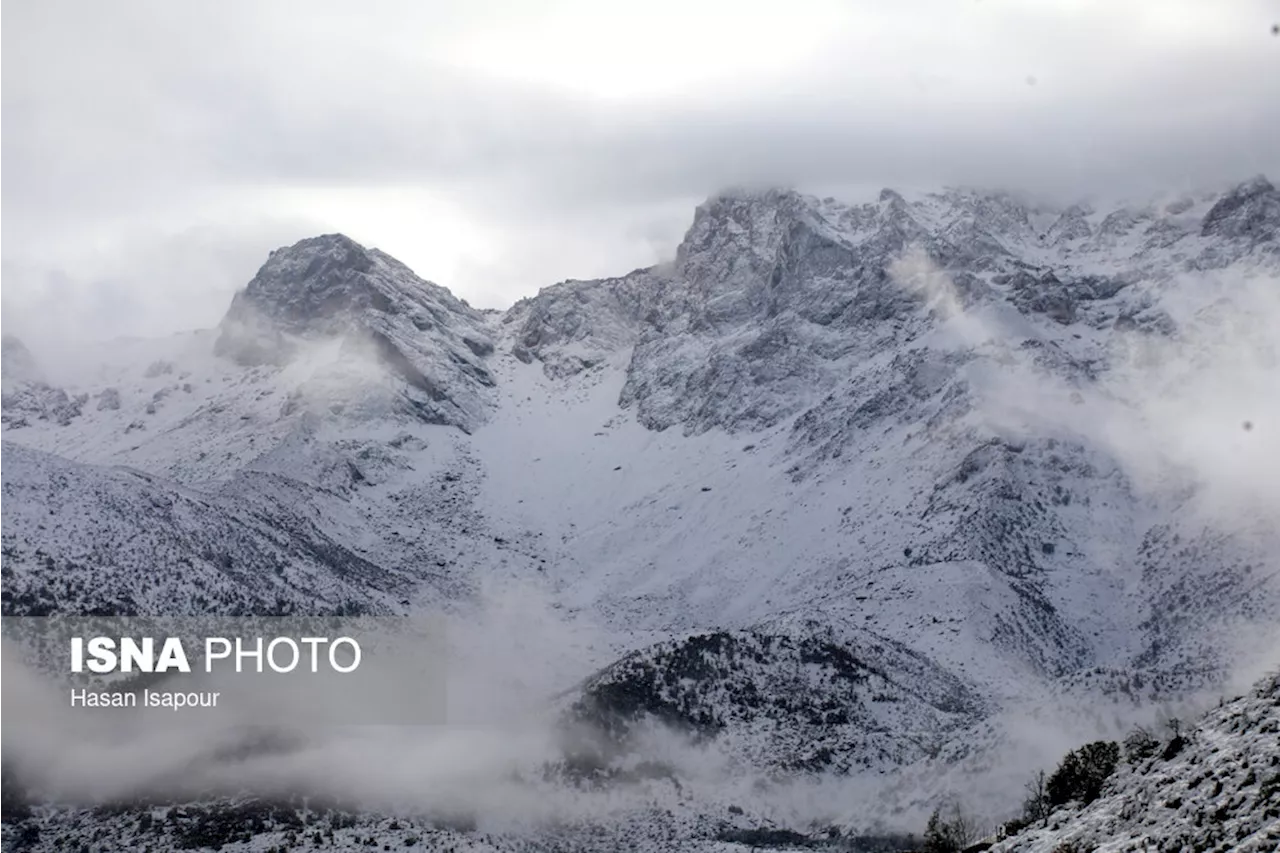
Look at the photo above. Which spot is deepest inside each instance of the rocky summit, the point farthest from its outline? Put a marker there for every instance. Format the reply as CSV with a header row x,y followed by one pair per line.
x,y
844,509
429,343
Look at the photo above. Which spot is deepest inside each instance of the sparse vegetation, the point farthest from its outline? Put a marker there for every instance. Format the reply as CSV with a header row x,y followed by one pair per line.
x,y
1140,745
1036,807
950,830
1082,773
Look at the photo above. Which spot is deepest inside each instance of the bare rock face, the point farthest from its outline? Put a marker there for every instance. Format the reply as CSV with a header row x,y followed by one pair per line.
x,y
428,346
575,325
769,293
775,290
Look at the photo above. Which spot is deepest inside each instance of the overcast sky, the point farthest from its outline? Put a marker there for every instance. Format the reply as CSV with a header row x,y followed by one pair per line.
x,y
153,152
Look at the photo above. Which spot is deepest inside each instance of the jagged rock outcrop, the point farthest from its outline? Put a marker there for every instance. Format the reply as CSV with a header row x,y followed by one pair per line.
x,y
774,294
428,344
576,325
26,395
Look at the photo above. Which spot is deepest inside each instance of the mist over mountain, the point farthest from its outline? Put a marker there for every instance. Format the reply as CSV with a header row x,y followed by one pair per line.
x,y
843,510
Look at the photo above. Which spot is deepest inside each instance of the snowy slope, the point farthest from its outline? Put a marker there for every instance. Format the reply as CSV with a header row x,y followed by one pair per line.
x,y
82,539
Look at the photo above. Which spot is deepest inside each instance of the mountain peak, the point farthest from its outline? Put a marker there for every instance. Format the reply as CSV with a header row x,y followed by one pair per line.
x,y
891,196
334,239
738,227
1248,211
329,288
323,282
315,256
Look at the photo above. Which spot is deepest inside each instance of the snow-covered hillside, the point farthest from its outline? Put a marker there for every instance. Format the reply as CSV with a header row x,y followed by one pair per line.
x,y
836,487
83,539
1216,789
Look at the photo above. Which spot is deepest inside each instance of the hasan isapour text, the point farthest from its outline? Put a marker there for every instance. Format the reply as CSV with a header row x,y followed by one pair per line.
x,y
174,700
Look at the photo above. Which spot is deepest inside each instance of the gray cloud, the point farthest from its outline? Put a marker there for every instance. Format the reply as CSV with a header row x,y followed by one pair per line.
x,y
499,147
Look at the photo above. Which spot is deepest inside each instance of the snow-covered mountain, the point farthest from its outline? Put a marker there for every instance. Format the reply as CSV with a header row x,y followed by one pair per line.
x,y
837,486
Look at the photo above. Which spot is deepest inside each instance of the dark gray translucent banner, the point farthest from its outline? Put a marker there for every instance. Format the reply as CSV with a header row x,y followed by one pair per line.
x,y
280,671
